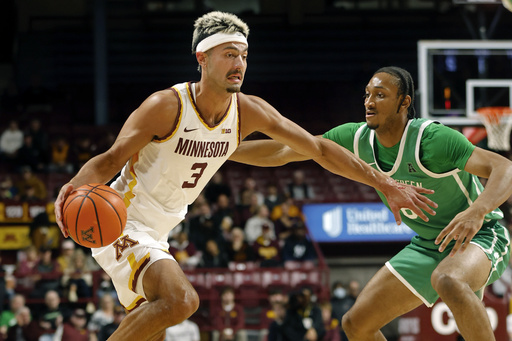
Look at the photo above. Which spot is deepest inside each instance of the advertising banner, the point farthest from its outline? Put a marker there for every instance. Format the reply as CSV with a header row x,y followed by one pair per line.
x,y
354,222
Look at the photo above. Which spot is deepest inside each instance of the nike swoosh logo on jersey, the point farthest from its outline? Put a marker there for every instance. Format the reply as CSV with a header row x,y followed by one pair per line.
x,y
186,130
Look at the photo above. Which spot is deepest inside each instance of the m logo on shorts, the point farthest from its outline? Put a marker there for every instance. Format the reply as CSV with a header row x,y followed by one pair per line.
x,y
122,244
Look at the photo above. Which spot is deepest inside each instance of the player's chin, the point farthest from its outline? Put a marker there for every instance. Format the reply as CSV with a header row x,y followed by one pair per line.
x,y
372,126
234,88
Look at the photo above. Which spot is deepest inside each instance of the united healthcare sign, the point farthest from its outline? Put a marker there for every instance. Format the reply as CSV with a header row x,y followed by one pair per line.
x,y
354,222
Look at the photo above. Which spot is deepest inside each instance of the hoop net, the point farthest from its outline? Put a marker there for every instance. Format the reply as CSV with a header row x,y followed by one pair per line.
x,y
498,124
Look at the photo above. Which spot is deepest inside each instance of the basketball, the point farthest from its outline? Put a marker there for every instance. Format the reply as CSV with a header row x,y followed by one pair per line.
x,y
94,215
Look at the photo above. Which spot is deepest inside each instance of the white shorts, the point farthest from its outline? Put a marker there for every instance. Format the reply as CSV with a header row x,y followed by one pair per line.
x,y
127,259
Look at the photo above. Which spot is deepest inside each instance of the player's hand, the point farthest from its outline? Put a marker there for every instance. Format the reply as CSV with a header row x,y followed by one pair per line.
x,y
59,205
406,196
462,229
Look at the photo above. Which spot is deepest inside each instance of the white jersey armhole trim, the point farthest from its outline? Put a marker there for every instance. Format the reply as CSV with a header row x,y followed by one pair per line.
x,y
417,155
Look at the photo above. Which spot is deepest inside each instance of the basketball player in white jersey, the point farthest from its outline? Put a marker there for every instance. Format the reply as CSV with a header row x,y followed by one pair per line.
x,y
169,148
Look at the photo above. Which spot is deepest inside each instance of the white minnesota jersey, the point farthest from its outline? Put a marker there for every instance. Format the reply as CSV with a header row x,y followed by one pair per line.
x,y
169,173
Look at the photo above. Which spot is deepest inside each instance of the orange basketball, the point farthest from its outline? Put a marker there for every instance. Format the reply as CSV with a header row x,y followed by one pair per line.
x,y
94,215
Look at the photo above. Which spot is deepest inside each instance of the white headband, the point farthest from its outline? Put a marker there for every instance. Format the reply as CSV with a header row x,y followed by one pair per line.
x,y
220,38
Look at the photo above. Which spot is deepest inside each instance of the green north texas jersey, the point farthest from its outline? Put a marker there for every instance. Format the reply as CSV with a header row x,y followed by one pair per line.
x,y
429,155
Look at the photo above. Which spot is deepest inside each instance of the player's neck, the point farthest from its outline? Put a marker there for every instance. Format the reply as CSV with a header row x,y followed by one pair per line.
x,y
212,103
390,137
390,132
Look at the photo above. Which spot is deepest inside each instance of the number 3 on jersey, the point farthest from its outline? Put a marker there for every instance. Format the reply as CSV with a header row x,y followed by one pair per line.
x,y
199,167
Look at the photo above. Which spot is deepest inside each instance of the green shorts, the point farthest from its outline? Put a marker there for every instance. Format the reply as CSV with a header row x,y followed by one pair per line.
x,y
414,265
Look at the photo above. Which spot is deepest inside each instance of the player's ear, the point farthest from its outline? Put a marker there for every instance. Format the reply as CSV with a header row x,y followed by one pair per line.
x,y
201,58
406,103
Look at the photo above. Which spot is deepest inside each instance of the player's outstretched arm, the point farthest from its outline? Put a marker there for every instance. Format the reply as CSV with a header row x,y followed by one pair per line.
x,y
153,118
463,227
265,153
340,161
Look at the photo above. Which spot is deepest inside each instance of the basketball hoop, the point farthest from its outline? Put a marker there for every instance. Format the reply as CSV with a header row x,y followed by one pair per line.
x,y
498,124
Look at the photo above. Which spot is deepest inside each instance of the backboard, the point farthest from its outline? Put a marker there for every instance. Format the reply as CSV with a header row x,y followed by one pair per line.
x,y
455,77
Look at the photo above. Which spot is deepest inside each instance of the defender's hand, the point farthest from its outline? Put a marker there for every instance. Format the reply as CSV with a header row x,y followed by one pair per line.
x,y
406,196
59,205
463,227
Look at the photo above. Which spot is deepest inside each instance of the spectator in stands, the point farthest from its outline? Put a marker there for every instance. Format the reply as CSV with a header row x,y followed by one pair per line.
x,y
39,136
331,324
8,317
287,206
8,190
248,190
47,274
337,295
229,320
184,251
77,280
30,155
84,149
60,156
39,230
11,141
185,331
239,250
103,316
26,328
275,296
26,268
272,197
297,247
106,287
266,247
52,314
274,329
298,189
216,187
225,228
354,288
246,208
255,225
202,228
67,248
288,220
31,187
110,328
302,321
74,328
196,207
223,209
213,256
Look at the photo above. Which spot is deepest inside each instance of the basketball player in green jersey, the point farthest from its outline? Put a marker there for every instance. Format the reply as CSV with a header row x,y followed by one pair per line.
x,y
458,251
